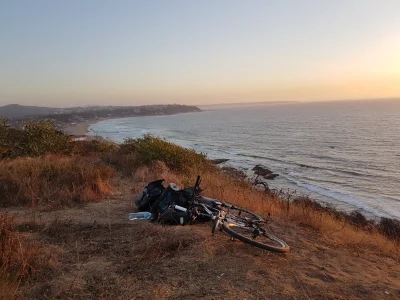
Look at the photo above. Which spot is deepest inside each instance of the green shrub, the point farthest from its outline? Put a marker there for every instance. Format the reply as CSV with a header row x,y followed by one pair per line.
x,y
149,149
90,147
33,139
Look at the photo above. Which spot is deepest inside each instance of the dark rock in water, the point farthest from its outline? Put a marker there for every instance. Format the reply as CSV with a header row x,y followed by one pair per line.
x,y
271,176
261,170
218,161
234,173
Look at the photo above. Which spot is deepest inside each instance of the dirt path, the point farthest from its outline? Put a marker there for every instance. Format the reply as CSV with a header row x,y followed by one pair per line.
x,y
102,255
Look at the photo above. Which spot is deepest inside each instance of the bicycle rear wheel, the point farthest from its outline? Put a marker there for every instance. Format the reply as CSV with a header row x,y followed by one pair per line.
x,y
257,237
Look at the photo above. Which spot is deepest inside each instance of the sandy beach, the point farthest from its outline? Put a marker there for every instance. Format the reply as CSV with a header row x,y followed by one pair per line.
x,y
78,128
82,128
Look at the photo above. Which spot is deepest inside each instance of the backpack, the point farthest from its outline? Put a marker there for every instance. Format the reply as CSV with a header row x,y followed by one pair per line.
x,y
150,194
164,209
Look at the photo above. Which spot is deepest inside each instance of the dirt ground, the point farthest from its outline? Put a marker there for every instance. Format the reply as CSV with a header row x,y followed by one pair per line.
x,y
100,254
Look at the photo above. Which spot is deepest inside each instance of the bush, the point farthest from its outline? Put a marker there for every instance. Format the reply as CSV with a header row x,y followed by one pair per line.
x,y
390,228
33,139
359,220
53,181
90,147
149,149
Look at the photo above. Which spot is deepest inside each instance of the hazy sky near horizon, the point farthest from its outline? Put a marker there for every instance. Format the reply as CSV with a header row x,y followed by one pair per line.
x,y
82,52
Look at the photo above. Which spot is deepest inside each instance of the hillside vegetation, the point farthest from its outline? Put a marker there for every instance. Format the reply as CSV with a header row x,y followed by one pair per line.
x,y
45,175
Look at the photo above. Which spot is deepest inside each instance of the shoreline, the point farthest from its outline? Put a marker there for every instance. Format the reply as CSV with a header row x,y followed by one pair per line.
x,y
82,128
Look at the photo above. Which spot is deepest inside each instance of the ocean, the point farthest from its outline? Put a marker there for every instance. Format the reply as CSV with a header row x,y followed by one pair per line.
x,y
346,154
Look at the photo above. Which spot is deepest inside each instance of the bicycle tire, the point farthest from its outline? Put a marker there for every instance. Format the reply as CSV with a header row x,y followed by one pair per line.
x,y
241,212
279,247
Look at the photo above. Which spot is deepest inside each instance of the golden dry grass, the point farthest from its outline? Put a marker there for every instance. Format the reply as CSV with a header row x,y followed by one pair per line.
x,y
109,256
113,258
53,181
8,288
329,225
20,257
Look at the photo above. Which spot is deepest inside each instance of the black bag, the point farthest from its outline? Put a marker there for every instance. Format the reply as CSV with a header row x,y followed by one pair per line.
x,y
161,202
146,199
174,217
170,196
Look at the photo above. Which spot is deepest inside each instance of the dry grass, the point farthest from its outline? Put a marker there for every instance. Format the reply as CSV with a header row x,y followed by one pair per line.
x,y
330,224
53,181
105,256
162,242
20,258
14,258
9,259
8,288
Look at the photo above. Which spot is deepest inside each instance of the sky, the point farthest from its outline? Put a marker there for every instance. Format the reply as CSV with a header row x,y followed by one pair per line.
x,y
93,52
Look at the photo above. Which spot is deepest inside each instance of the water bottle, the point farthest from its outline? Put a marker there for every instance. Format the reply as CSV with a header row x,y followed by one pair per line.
x,y
144,215
180,208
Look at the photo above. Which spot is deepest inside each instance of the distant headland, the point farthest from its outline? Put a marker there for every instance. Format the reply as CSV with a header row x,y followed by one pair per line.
x,y
16,113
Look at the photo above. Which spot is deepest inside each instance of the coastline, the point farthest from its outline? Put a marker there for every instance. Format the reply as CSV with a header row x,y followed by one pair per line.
x,y
323,242
81,128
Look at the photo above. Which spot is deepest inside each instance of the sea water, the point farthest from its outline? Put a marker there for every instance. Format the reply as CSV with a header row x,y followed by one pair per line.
x,y
344,153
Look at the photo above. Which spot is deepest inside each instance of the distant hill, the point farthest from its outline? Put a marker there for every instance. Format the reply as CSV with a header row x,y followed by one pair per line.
x,y
16,111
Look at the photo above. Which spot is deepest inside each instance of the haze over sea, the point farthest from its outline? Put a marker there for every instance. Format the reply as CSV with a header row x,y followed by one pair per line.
x,y
344,153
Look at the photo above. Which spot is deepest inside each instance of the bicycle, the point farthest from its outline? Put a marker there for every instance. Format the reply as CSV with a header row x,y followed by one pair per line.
x,y
236,221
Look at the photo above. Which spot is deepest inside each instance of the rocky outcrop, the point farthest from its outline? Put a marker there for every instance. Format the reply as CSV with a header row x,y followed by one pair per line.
x,y
234,173
271,176
263,171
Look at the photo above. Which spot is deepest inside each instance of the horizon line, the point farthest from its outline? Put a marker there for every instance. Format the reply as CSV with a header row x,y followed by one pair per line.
x,y
227,103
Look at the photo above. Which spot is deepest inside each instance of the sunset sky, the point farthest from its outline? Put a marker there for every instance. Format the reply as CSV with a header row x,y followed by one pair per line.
x,y
67,53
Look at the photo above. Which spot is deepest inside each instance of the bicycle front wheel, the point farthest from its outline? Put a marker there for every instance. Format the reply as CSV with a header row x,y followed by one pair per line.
x,y
256,237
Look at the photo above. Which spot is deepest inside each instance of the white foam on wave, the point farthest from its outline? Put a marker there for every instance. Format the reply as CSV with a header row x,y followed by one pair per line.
x,y
383,209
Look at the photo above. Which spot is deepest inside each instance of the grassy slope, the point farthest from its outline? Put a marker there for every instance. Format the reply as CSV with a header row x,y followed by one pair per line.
x,y
91,251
